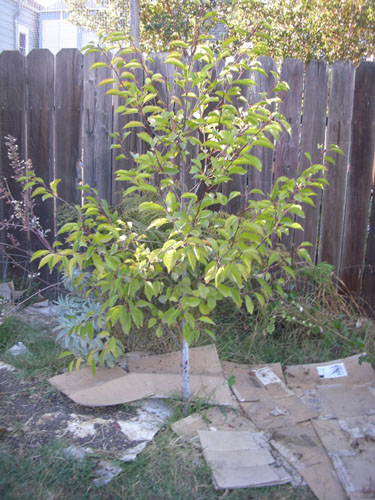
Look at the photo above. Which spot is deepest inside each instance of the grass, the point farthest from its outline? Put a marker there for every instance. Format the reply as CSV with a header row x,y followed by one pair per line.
x,y
311,323
42,360
167,469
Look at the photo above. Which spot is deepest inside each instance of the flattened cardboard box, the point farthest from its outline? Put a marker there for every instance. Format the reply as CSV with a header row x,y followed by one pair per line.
x,y
215,418
345,371
350,444
341,400
254,382
202,360
302,448
271,414
240,459
112,386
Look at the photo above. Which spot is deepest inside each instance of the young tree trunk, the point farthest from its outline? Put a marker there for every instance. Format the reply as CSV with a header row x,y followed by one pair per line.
x,y
185,365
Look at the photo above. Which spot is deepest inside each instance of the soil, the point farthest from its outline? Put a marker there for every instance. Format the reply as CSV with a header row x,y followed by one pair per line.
x,y
34,413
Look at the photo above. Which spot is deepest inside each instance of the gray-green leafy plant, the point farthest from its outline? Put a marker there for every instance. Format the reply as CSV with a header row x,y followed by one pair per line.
x,y
73,310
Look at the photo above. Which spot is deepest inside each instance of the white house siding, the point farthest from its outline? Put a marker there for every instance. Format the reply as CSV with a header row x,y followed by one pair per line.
x,y
27,19
7,12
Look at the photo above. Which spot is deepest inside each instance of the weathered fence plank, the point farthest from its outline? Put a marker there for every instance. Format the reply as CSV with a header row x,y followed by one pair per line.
x,y
40,124
359,178
68,129
97,125
263,180
338,132
12,122
312,136
368,289
287,150
12,109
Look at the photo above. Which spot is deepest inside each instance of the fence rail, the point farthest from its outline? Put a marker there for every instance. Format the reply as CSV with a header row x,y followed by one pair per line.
x,y
62,121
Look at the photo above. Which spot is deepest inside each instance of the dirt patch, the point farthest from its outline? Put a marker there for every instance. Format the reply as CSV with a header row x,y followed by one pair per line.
x,y
33,414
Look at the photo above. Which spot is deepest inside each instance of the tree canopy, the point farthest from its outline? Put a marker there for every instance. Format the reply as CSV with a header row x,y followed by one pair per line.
x,y
305,29
310,29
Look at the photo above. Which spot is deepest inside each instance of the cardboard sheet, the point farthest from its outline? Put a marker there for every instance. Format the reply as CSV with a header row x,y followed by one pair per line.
x,y
302,448
353,457
341,401
240,459
215,418
305,377
202,360
213,388
254,382
109,386
229,368
271,414
112,386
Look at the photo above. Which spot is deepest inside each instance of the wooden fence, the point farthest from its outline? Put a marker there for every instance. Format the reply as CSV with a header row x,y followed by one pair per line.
x,y
62,121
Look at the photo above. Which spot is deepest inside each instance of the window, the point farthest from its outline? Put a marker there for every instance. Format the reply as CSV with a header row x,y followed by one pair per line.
x,y
23,39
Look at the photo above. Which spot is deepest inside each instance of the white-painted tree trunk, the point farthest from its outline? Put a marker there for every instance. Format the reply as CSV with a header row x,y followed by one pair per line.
x,y
185,365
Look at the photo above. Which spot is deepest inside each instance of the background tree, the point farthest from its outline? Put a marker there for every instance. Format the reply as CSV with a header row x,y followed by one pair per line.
x,y
310,29
305,29
159,22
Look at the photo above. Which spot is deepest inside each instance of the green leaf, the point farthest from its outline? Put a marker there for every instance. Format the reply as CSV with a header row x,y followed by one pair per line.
x,y
149,205
249,304
125,320
260,298
106,81
38,254
64,354
145,137
206,319
273,258
98,65
98,263
192,259
176,62
168,259
134,123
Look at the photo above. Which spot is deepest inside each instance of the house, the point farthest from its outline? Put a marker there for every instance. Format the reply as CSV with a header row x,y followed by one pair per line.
x,y
19,26
56,32
25,25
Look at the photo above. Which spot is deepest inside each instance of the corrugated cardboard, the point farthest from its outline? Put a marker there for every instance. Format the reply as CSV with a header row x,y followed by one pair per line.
x,y
271,414
341,401
229,368
254,382
353,457
215,418
305,377
202,360
112,386
302,448
109,386
211,387
240,459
